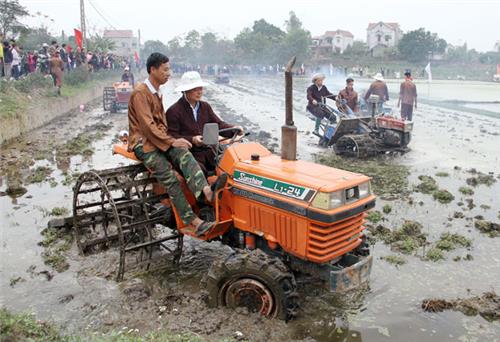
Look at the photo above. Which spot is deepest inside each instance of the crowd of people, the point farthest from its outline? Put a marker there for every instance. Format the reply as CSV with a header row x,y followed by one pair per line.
x,y
54,60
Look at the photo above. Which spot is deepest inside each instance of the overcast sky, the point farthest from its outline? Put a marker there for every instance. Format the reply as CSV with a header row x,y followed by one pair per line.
x,y
473,21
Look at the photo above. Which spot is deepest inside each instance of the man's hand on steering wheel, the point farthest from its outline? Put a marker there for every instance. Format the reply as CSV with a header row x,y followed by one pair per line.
x,y
197,140
241,130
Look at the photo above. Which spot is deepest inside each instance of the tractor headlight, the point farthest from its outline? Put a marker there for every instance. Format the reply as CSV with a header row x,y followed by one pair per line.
x,y
364,190
328,200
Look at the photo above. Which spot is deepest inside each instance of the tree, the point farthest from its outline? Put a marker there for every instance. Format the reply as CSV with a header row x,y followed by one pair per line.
x,y
10,13
174,47
33,38
192,40
151,46
357,49
415,45
271,32
297,40
293,22
208,50
100,43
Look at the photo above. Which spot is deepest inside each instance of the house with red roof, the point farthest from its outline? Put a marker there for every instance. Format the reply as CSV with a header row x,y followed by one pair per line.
x,y
383,35
332,42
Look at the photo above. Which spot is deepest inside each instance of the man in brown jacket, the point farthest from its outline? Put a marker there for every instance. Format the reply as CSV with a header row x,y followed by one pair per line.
x,y
407,97
189,114
152,143
348,98
378,87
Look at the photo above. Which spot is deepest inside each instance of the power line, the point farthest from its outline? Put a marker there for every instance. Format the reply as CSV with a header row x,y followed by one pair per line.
x,y
101,15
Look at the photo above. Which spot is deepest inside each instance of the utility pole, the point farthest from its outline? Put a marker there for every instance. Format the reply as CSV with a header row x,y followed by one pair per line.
x,y
82,23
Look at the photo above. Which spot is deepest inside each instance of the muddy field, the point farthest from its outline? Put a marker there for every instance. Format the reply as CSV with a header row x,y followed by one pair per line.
x,y
435,231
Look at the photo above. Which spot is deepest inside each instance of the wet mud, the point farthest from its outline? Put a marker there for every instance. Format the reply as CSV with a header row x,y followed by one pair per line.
x,y
424,247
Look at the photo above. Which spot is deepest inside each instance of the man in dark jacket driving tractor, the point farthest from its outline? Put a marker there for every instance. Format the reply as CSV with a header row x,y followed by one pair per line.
x,y
189,114
316,94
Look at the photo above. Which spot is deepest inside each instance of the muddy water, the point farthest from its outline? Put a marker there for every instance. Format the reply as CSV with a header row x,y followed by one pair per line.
x,y
85,298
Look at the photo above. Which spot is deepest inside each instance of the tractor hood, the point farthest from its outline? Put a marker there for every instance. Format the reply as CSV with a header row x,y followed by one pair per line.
x,y
254,165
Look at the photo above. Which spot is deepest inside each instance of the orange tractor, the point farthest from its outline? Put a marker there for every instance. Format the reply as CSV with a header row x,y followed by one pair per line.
x,y
116,97
281,216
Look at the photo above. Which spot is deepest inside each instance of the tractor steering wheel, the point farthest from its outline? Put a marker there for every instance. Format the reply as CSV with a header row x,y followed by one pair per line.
x,y
235,134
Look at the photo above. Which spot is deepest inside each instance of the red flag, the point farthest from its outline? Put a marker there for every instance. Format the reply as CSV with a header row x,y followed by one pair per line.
x,y
78,38
136,57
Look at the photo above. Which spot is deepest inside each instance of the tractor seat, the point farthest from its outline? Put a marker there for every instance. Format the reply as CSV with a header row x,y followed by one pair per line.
x,y
123,150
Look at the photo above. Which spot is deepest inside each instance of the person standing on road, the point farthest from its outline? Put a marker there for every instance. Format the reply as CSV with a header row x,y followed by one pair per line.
x,y
151,142
56,70
407,97
7,60
379,88
316,94
16,62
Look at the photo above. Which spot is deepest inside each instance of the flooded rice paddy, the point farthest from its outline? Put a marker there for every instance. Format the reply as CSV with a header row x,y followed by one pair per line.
x,y
446,145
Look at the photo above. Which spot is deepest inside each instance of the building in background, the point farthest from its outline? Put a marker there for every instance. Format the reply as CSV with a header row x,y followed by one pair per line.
x,y
125,41
497,46
381,36
332,42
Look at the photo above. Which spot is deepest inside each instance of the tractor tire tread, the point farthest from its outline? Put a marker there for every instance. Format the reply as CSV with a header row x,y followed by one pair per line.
x,y
272,270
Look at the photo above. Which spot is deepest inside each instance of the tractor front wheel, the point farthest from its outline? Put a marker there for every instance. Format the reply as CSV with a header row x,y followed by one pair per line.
x,y
254,280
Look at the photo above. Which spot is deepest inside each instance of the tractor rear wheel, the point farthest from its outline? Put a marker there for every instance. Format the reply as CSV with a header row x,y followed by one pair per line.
x,y
254,280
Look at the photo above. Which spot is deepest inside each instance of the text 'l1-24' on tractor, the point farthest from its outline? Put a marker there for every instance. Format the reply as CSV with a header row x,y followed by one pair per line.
x,y
364,135
281,216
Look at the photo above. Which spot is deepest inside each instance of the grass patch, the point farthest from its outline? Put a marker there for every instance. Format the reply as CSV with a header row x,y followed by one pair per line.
x,y
25,327
442,174
396,260
487,227
39,174
70,178
406,239
449,241
443,196
374,216
434,254
465,190
56,243
387,208
11,104
17,96
387,177
82,143
59,211
481,178
427,184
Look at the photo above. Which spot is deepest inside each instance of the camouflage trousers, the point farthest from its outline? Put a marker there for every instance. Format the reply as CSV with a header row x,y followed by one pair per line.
x,y
160,164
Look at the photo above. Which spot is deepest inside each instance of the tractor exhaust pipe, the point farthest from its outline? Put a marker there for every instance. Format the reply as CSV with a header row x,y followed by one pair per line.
x,y
288,130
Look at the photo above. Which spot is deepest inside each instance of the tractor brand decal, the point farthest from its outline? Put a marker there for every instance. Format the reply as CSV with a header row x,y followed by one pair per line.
x,y
293,208
279,187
